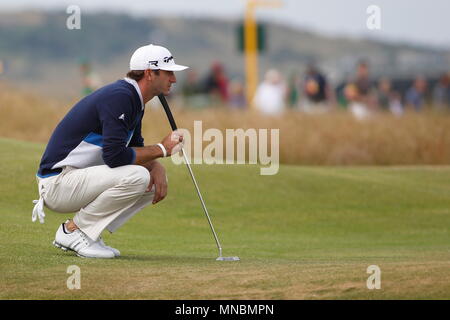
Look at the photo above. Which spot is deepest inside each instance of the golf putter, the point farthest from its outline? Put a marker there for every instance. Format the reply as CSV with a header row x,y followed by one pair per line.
x,y
164,103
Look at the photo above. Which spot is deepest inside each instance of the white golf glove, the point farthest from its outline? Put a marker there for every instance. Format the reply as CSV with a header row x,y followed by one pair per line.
x,y
38,210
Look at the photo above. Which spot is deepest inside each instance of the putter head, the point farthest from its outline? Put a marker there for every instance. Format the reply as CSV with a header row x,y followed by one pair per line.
x,y
228,259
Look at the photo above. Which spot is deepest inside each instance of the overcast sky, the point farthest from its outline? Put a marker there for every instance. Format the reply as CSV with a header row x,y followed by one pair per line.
x,y
418,21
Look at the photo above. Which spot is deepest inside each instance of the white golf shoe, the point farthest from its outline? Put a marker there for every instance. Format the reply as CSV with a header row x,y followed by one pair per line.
x,y
79,242
103,244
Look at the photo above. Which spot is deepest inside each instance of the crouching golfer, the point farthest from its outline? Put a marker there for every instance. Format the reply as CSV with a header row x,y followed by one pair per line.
x,y
96,164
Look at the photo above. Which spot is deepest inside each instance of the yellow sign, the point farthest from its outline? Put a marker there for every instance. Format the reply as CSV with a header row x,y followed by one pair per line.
x,y
251,45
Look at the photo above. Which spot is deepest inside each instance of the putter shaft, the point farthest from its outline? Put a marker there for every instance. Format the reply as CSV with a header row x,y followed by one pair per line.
x,y
202,202
174,127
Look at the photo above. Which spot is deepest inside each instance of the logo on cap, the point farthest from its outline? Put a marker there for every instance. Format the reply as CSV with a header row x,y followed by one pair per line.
x,y
167,59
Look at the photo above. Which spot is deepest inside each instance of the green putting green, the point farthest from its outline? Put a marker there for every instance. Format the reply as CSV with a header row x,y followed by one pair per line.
x,y
305,233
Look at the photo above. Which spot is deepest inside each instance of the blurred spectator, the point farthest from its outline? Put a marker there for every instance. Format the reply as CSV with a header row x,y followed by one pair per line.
x,y
415,96
384,93
362,79
293,94
441,93
388,99
237,95
342,99
90,80
357,108
216,84
271,93
395,104
191,84
360,92
192,91
316,91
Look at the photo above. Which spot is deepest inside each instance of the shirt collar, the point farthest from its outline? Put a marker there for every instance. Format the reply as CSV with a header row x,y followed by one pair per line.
x,y
136,86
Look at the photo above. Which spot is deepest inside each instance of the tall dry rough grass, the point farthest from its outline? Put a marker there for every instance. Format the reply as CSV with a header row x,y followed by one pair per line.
x,y
330,139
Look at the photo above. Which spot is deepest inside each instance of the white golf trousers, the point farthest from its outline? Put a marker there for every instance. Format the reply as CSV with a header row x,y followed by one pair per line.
x,y
103,197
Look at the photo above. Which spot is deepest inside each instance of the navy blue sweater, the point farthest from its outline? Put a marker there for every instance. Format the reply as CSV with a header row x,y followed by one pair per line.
x,y
100,129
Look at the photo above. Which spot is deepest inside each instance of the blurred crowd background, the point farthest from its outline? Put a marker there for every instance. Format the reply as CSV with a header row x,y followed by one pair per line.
x,y
314,87
312,92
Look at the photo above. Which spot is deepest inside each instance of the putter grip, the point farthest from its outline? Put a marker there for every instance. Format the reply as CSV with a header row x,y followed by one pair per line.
x,y
165,105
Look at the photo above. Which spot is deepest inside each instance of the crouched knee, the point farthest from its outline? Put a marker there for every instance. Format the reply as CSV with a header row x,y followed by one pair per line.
x,y
137,175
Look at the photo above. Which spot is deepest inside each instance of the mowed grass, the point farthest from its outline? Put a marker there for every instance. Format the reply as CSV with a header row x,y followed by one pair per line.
x,y
305,233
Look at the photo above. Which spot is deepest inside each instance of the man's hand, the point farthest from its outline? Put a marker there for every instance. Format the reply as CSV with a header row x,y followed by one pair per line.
x,y
158,179
173,142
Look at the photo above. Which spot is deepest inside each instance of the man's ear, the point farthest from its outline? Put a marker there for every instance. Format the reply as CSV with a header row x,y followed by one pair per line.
x,y
148,74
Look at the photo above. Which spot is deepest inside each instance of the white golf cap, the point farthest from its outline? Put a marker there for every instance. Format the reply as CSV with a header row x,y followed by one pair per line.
x,y
154,58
